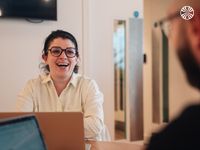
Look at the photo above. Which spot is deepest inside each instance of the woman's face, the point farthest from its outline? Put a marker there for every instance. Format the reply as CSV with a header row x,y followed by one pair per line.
x,y
61,67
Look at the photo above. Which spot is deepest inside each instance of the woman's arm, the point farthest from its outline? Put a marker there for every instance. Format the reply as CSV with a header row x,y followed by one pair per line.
x,y
24,101
93,111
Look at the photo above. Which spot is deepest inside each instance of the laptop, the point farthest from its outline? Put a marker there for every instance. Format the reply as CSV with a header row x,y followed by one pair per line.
x,y
21,133
60,130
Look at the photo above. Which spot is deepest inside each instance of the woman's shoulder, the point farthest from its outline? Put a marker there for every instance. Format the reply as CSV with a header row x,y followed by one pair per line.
x,y
37,80
86,83
84,80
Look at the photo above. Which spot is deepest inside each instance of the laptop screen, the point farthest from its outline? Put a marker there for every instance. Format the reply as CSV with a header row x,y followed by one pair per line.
x,y
21,133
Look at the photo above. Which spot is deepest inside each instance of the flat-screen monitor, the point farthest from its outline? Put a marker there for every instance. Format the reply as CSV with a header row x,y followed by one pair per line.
x,y
29,9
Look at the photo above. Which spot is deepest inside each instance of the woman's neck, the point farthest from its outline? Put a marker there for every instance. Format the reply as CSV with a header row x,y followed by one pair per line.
x,y
60,84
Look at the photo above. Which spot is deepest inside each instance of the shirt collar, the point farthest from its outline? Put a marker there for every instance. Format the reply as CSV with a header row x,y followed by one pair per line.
x,y
73,80
46,79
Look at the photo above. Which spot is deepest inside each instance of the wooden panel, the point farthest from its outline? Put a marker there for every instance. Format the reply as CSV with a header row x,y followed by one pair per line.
x,y
156,75
135,66
160,103
165,78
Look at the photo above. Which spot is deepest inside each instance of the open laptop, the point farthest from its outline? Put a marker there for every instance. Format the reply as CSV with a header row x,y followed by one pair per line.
x,y
21,133
60,130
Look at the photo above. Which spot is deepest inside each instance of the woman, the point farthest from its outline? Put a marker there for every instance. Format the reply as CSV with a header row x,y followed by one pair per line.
x,y
61,89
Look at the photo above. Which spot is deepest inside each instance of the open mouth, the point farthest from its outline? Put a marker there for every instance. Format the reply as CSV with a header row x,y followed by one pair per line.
x,y
62,65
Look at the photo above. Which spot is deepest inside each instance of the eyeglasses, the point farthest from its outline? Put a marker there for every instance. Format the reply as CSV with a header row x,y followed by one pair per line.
x,y
70,52
164,23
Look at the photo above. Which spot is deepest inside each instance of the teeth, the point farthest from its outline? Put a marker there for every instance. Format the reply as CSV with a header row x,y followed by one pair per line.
x,y
62,64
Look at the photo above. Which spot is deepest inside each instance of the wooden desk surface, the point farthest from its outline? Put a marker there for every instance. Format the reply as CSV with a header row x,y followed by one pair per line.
x,y
114,146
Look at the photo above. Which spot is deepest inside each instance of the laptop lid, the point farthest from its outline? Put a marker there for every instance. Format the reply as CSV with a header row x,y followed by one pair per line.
x,y
21,133
60,130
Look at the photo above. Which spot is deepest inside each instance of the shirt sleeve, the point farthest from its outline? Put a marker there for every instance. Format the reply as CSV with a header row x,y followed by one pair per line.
x,y
24,101
93,111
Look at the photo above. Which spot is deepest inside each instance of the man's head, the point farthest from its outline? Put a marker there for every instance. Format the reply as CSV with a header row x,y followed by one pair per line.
x,y
185,36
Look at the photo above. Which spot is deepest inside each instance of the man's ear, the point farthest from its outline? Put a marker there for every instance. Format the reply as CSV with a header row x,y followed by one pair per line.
x,y
194,31
195,21
44,57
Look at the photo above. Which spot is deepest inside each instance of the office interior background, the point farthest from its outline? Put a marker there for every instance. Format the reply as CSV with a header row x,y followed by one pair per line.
x,y
92,23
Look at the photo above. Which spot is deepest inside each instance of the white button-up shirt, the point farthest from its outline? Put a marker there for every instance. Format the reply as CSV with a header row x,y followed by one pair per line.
x,y
81,94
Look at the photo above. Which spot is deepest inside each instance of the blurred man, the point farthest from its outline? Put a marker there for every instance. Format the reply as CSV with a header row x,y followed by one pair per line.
x,y
183,133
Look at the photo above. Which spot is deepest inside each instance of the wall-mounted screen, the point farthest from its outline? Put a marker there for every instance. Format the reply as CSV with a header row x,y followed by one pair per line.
x,y
30,9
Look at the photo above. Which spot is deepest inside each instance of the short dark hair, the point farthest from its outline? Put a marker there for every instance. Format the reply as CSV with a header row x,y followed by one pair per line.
x,y
59,34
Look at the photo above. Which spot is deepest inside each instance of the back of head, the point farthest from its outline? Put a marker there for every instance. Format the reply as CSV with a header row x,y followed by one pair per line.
x,y
185,36
176,5
176,8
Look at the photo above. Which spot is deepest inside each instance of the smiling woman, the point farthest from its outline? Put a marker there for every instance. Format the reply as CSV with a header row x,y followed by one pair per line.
x,y
61,89
61,66
56,43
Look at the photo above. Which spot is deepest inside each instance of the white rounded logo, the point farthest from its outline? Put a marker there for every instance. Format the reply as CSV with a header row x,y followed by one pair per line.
x,y
187,12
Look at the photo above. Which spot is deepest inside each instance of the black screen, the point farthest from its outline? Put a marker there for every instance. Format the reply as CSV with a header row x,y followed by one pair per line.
x,y
33,9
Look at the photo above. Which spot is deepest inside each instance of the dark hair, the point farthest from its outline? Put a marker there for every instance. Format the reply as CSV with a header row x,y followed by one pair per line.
x,y
54,35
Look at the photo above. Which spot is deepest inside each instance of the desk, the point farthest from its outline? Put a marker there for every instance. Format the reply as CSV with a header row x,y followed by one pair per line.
x,y
114,146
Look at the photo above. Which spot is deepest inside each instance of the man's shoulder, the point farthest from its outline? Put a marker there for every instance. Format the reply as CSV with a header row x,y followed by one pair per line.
x,y
192,110
187,121
182,132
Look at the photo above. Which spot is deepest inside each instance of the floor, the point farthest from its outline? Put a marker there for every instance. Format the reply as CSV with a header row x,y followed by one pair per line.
x,y
119,134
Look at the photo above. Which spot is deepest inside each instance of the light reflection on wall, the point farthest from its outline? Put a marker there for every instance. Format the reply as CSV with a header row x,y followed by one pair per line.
x,y
119,40
1,12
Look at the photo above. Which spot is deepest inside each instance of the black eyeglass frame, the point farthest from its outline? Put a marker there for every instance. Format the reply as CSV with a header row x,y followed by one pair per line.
x,y
162,23
64,50
168,18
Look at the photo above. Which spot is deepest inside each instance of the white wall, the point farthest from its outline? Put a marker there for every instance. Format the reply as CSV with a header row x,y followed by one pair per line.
x,y
180,92
21,47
